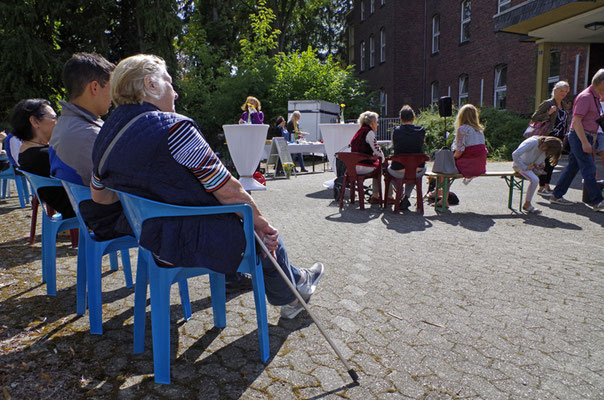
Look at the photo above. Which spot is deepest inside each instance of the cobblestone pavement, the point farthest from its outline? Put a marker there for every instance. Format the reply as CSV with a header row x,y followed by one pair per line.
x,y
478,303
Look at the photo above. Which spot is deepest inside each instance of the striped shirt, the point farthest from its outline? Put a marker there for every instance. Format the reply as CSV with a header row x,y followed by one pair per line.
x,y
190,150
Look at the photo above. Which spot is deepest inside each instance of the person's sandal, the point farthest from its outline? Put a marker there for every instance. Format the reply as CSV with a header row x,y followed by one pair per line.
x,y
531,210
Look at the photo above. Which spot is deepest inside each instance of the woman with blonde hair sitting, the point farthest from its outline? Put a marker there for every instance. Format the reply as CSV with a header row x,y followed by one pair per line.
x,y
365,141
469,145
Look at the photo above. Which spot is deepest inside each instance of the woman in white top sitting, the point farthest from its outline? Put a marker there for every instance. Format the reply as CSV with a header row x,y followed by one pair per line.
x,y
365,141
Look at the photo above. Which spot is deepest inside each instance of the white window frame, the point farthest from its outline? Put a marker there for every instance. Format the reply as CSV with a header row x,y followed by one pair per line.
x,y
435,34
371,6
465,22
383,102
553,79
498,89
371,51
463,78
434,92
362,10
503,5
362,55
382,45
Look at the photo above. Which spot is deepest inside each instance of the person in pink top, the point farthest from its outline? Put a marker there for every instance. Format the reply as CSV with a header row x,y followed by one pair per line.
x,y
587,119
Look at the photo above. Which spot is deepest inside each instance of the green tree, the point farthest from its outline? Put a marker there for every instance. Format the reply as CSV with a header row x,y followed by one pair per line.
x,y
303,76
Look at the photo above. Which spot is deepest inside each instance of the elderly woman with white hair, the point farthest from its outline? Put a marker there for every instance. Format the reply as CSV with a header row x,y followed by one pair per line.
x,y
147,149
365,141
552,110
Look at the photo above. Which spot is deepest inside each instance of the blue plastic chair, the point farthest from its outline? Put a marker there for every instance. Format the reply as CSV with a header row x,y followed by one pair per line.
x,y
94,251
20,182
51,226
160,279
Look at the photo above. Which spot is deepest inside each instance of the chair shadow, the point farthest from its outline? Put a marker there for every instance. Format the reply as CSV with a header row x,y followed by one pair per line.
x,y
405,221
325,194
353,214
24,253
74,363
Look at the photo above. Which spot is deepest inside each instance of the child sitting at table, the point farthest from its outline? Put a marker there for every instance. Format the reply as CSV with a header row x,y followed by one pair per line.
x,y
529,161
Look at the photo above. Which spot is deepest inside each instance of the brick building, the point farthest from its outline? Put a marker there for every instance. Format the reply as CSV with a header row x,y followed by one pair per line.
x,y
415,52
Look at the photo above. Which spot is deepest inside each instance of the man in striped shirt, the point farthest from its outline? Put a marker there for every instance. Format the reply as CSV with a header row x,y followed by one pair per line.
x,y
164,156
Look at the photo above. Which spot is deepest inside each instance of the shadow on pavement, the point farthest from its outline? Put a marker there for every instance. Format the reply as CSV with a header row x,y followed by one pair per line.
x,y
412,221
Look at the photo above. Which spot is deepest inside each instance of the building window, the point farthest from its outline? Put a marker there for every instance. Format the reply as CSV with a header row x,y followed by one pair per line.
x,y
383,102
434,92
362,56
371,52
463,89
382,45
362,10
503,5
466,12
554,70
501,72
435,34
371,6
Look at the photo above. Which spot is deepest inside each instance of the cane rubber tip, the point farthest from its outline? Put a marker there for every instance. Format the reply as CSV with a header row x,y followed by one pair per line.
x,y
353,375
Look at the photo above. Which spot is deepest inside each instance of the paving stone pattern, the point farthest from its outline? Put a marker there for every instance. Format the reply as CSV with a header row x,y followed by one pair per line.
x,y
478,303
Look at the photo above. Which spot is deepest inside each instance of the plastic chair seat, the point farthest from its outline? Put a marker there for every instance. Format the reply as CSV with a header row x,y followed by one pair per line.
x,y
93,251
355,180
138,210
410,162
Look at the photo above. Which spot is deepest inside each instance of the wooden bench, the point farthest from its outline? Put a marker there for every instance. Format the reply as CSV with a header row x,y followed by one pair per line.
x,y
444,182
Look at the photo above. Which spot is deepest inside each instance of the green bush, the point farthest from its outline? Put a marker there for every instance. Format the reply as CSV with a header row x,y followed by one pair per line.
x,y
503,130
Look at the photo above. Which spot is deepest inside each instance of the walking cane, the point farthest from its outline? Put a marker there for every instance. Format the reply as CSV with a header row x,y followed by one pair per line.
x,y
351,371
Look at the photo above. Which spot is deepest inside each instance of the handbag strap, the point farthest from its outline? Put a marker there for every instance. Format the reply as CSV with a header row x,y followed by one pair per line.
x,y
115,139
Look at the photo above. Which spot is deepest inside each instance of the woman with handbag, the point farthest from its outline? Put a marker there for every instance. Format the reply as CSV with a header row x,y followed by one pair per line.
x,y
469,144
552,112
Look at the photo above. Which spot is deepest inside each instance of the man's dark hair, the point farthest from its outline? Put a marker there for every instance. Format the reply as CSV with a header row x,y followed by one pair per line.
x,y
406,114
19,118
83,68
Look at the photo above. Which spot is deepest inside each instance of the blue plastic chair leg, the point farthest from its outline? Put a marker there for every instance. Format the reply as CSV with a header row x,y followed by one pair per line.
x,y
127,267
93,276
140,303
160,324
21,191
183,289
81,298
261,315
49,254
113,261
218,292
4,188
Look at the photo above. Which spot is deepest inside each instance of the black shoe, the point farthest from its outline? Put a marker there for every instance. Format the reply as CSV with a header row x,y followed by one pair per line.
x,y
304,170
405,204
238,282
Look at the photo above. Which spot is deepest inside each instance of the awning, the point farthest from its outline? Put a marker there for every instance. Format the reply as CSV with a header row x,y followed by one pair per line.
x,y
560,21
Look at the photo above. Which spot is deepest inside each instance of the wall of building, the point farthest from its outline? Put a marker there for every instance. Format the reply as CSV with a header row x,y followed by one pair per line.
x,y
411,67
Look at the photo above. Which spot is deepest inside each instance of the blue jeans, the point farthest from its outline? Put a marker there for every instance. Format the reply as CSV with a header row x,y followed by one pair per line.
x,y
578,160
277,291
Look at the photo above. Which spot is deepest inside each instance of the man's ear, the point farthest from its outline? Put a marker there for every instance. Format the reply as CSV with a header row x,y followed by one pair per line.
x,y
93,87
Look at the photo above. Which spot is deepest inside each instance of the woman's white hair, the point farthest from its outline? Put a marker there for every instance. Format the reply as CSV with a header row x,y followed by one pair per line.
x,y
368,117
128,79
559,85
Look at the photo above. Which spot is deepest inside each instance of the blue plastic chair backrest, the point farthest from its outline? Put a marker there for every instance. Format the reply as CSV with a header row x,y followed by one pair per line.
x,y
138,210
39,182
77,194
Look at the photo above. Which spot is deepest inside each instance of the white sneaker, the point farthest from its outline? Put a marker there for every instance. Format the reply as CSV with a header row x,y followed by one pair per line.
x,y
306,287
599,206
